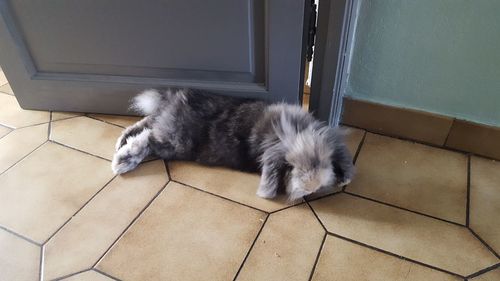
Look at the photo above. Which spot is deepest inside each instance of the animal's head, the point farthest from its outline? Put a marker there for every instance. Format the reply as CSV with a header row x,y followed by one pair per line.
x,y
310,159
308,151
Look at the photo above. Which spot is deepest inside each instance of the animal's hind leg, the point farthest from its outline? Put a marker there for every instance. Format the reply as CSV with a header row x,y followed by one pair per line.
x,y
135,149
132,131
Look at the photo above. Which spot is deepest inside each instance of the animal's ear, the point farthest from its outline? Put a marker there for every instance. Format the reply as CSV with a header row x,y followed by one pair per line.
x,y
336,135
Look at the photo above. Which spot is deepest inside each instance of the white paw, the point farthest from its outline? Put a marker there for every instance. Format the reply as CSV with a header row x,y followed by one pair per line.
x,y
123,161
266,193
344,182
121,167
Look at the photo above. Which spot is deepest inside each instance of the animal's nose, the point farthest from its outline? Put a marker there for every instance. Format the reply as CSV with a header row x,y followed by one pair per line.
x,y
312,184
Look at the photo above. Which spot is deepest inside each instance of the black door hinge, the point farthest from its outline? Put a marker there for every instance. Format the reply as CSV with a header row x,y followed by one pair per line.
x,y
311,34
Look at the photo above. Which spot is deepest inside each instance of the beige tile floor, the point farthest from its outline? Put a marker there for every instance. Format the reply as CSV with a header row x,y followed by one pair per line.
x,y
413,212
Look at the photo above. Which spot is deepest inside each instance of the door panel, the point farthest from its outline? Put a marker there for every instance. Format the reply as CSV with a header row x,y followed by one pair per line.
x,y
95,55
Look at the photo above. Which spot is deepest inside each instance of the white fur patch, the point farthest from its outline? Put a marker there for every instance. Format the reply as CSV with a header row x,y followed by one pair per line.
x,y
266,193
295,190
147,102
266,190
344,183
131,154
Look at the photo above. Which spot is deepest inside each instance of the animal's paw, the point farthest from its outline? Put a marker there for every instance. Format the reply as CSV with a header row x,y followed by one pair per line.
x,y
267,193
343,182
123,163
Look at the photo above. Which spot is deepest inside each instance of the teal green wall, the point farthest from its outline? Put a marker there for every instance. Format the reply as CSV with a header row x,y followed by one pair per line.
x,y
440,56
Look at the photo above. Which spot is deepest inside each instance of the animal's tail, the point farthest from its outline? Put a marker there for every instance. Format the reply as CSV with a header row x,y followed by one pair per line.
x,y
146,102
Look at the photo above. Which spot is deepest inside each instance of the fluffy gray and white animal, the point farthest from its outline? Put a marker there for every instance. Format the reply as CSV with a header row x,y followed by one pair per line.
x,y
282,142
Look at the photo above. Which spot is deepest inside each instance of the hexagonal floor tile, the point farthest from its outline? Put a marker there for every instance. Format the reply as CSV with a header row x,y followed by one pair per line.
x,y
47,187
20,143
286,248
89,275
413,176
19,259
120,120
485,200
72,249
86,134
13,116
231,184
185,234
345,261
430,241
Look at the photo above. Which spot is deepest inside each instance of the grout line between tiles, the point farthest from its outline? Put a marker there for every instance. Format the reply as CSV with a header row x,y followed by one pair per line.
x,y
20,236
129,225
105,274
358,150
77,211
402,208
66,118
231,200
70,275
74,148
91,117
467,208
394,255
42,262
22,158
324,196
317,257
27,126
317,217
251,247
484,243
482,271
288,207
165,162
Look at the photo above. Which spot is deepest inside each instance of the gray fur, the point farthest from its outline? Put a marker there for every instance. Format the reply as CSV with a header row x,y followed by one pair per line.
x,y
283,142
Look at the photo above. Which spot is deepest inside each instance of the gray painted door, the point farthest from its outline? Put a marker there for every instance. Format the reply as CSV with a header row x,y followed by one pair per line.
x,y
94,55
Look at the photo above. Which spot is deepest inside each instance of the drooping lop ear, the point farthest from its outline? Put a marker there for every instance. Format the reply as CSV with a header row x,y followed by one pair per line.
x,y
336,136
324,141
